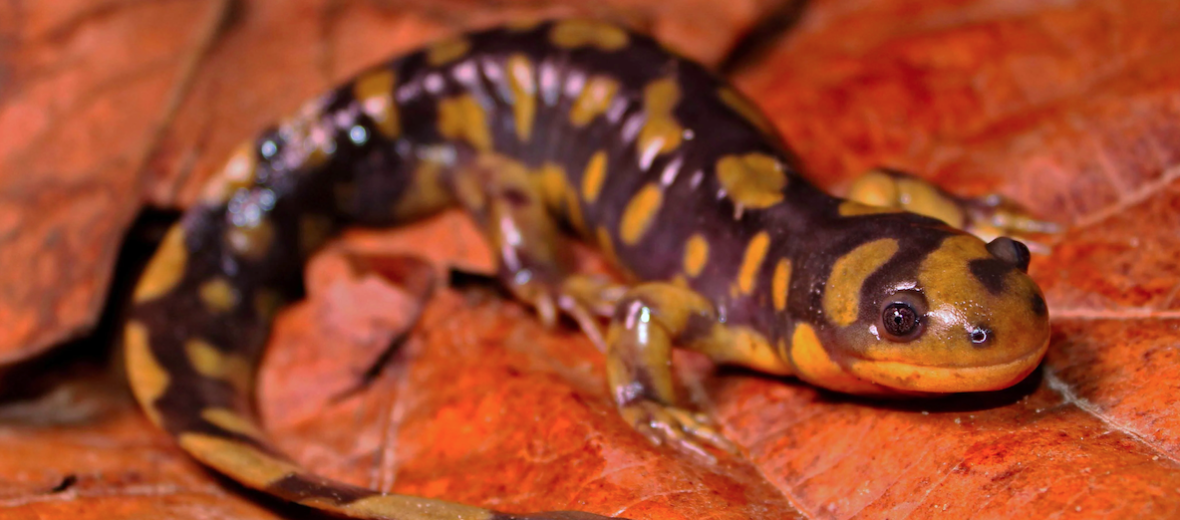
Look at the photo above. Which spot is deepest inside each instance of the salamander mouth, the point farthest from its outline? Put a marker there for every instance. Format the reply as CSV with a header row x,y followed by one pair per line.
x,y
945,379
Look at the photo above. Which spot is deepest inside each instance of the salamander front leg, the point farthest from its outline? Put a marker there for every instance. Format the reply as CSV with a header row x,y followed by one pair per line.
x,y
534,263
648,320
987,217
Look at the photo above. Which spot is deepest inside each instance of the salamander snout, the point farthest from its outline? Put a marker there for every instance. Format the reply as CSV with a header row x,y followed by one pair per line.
x,y
967,318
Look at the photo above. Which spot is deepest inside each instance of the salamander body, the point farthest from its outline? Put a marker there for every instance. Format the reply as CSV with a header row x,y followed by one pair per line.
x,y
672,174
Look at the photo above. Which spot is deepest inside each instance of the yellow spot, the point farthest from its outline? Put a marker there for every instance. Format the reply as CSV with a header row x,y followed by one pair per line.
x,y
558,195
842,292
924,198
574,211
551,185
696,254
409,508
374,91
608,247
875,188
447,51
231,421
744,108
470,193
639,213
593,100
426,193
579,33
238,173
148,378
166,268
814,365
212,363
748,348
752,262
251,242
754,180
779,285
594,176
661,133
523,84
314,230
851,208
462,117
218,295
243,462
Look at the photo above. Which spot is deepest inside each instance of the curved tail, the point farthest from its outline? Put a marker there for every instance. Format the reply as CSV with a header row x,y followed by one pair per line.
x,y
203,308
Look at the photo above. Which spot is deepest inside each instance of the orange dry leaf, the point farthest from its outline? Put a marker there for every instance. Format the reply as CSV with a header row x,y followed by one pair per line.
x,y
1069,108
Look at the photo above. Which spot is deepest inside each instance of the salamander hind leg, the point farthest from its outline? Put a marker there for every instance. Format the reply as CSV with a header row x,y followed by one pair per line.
x,y
988,217
507,200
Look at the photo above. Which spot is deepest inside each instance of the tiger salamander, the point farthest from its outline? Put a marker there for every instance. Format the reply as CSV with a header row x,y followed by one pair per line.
x,y
681,183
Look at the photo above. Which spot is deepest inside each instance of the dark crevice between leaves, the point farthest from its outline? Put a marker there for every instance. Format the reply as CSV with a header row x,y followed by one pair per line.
x,y
66,483
756,42
86,362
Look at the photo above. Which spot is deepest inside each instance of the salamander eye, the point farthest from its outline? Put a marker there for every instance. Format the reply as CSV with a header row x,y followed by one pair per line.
x,y
901,317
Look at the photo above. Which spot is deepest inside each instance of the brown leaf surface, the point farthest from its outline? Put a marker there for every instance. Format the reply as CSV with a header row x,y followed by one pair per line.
x,y
1070,108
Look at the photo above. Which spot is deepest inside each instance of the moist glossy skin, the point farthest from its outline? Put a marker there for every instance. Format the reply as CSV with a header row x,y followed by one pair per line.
x,y
672,174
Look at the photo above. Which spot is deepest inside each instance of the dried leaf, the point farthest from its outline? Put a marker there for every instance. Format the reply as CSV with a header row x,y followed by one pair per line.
x,y
1069,108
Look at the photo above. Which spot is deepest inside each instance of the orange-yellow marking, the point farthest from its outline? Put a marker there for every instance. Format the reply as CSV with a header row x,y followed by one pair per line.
x,y
608,247
593,177
251,242
522,82
212,363
579,33
166,268
753,180
851,208
245,463
661,133
374,91
231,421
238,173
696,255
409,508
558,195
745,346
218,294
841,299
779,285
148,378
814,365
447,51
593,100
639,213
426,193
752,262
462,117
744,108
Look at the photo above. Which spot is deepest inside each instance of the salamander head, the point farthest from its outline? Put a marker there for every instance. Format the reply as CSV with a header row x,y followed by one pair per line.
x,y
960,316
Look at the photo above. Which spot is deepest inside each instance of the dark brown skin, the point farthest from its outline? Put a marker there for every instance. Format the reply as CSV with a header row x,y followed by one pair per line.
x,y
678,180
